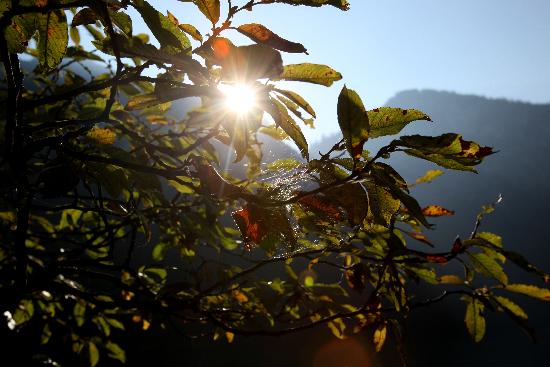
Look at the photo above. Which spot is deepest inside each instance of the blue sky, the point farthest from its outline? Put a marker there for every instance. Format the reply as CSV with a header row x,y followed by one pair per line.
x,y
494,48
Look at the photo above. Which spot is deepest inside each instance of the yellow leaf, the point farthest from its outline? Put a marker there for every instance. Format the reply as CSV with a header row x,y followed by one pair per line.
x,y
102,135
380,337
530,290
229,336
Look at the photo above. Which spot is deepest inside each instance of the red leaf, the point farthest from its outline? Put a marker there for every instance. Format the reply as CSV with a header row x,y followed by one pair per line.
x,y
457,246
251,223
321,204
436,211
421,237
439,259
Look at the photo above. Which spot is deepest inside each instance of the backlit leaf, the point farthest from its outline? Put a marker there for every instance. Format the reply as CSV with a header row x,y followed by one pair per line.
x,y
390,121
93,354
311,73
475,322
429,176
53,37
379,337
191,30
102,135
172,40
210,9
436,211
511,307
489,267
530,290
283,120
299,100
353,121
261,34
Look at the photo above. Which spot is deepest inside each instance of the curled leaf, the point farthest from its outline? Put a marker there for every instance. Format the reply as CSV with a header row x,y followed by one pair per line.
x,y
261,34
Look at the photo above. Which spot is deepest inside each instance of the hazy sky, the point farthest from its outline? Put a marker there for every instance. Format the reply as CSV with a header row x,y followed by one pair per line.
x,y
494,48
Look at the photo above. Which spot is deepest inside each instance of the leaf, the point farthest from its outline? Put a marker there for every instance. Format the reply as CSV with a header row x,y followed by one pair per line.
x,y
530,290
321,205
475,322
379,337
93,354
337,327
246,63
164,95
257,224
299,100
492,238
261,34
20,31
382,204
310,73
172,40
84,16
115,351
447,150
191,30
353,121
122,21
210,9
53,37
421,237
283,120
436,211
390,121
489,267
451,279
103,136
340,4
510,306
429,176
229,336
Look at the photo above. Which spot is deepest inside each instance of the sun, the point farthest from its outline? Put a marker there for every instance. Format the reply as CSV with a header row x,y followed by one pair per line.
x,y
239,98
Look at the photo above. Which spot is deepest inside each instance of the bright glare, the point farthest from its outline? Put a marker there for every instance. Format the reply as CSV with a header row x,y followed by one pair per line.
x,y
239,98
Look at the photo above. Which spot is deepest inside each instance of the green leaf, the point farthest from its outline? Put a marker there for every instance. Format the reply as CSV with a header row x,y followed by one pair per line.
x,y
172,40
164,95
390,121
122,21
511,307
299,100
492,238
115,351
20,31
530,290
79,311
429,176
310,73
53,37
475,322
284,164
382,204
282,119
489,267
260,34
353,121
210,9
191,30
93,354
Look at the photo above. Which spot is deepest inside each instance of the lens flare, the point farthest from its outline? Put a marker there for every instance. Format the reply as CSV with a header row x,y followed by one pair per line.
x,y
239,98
